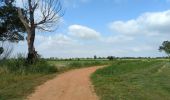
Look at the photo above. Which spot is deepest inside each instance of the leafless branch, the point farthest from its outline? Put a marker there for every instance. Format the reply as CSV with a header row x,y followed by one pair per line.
x,y
51,11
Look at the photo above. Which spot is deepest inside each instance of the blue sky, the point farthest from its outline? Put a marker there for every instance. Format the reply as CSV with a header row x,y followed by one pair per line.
x,y
107,27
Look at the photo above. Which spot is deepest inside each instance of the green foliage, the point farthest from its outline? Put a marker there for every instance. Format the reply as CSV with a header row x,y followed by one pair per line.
x,y
110,57
165,47
133,80
11,28
19,66
1,50
95,57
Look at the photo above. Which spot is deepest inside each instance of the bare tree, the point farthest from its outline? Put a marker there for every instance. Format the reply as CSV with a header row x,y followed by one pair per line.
x,y
49,11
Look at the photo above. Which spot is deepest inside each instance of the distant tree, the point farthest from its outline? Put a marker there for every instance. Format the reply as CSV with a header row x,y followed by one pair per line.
x,y
99,57
78,59
95,57
110,57
165,47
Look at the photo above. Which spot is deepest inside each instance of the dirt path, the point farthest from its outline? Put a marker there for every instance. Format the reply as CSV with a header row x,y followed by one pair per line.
x,y
72,85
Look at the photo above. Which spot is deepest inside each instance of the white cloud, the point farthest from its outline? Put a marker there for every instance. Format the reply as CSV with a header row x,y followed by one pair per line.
x,y
142,48
148,23
52,42
83,32
118,39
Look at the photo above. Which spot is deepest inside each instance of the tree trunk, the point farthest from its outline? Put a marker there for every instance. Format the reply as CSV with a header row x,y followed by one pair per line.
x,y
32,54
31,35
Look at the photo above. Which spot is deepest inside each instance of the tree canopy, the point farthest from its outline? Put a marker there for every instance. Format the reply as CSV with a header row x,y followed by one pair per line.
x,y
1,50
11,28
165,47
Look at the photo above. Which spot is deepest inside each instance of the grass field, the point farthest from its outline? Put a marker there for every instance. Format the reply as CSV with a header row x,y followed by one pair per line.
x,y
122,80
74,64
133,80
18,80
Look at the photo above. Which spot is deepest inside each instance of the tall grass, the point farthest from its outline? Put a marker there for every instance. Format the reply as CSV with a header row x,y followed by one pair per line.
x,y
19,66
18,79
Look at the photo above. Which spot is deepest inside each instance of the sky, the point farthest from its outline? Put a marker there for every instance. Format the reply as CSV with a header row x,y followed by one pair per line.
x,y
122,28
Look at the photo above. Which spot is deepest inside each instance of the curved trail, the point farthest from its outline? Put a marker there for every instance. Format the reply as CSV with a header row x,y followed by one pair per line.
x,y
71,85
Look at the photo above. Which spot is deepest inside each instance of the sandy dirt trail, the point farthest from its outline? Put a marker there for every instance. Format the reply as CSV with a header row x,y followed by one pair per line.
x,y
71,85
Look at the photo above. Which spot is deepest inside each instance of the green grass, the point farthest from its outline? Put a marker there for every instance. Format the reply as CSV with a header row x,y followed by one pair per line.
x,y
74,64
17,87
124,79
18,80
133,80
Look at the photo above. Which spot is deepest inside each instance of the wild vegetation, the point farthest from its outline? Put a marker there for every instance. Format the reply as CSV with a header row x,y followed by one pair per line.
x,y
133,80
126,78
18,79
18,76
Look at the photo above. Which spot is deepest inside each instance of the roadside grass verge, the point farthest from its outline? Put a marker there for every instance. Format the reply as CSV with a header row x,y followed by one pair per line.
x,y
17,87
18,79
133,80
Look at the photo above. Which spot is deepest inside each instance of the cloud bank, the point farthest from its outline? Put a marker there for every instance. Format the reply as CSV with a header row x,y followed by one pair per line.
x,y
156,23
83,32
